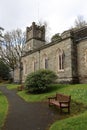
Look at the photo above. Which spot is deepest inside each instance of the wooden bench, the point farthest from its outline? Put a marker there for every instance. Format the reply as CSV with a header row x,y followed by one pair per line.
x,y
20,88
61,101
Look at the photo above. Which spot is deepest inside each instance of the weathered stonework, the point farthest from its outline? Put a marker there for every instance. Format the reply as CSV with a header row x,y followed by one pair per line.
x,y
16,75
82,63
74,48
35,37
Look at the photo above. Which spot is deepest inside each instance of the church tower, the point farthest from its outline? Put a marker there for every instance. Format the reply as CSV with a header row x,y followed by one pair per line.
x,y
35,37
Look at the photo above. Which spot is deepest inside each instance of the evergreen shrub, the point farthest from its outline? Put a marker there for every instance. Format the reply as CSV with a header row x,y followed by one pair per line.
x,y
4,71
38,82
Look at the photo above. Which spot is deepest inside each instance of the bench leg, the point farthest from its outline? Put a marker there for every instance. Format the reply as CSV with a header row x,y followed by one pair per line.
x,y
61,110
68,109
49,104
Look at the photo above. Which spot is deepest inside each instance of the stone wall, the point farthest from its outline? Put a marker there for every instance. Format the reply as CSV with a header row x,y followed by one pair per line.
x,y
82,61
16,75
51,52
33,44
28,64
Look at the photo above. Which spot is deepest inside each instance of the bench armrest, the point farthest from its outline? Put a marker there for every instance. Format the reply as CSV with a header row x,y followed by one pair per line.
x,y
63,101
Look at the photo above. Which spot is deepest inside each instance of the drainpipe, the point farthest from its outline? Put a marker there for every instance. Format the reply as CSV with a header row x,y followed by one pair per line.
x,y
39,59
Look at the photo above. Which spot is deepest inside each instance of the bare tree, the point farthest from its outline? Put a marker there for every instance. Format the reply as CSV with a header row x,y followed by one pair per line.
x,y
80,22
12,49
1,35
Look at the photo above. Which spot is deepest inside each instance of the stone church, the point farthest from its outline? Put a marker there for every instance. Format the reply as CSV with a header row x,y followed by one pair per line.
x,y
67,56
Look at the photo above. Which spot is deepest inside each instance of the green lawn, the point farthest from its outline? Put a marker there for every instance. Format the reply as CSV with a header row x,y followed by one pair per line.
x,y
73,123
39,97
3,109
12,86
78,93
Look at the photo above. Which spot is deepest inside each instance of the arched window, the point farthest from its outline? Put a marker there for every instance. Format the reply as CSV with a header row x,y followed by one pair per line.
x,y
60,60
45,61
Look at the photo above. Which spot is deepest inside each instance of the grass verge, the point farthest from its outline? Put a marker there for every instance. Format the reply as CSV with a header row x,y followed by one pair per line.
x,y
12,86
3,109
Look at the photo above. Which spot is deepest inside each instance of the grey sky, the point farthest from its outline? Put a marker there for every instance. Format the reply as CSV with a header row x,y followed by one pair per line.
x,y
59,14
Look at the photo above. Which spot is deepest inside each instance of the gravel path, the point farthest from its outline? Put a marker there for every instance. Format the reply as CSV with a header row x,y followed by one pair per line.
x,y
27,116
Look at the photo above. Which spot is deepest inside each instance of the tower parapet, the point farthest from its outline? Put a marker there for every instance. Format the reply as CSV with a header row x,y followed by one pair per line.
x,y
35,32
35,37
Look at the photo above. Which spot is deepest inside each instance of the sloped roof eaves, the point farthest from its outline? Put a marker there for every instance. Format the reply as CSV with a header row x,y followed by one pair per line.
x,y
43,47
38,49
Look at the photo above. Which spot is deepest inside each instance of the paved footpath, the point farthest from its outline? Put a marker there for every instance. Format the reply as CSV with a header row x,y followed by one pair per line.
x,y
27,116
